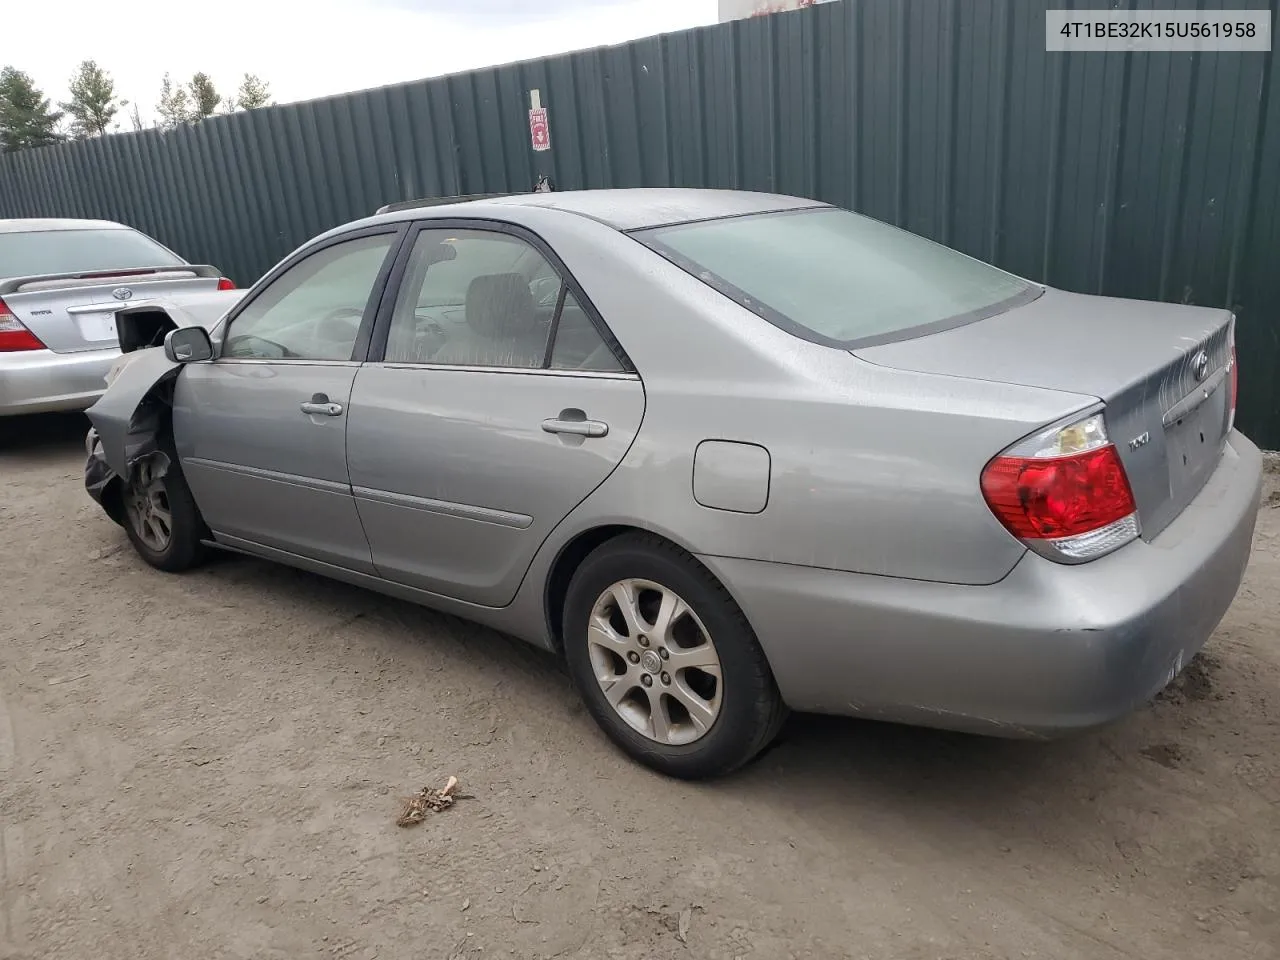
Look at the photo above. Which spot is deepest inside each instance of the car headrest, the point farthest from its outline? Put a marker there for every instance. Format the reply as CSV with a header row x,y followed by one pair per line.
x,y
500,305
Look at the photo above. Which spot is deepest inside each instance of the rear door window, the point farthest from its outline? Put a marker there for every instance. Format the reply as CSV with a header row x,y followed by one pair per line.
x,y
480,298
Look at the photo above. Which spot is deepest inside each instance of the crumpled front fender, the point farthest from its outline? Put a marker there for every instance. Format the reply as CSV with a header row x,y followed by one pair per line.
x,y
130,414
100,481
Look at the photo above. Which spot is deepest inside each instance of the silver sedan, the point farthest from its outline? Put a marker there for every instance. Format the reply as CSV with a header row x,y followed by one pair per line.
x,y
61,283
727,453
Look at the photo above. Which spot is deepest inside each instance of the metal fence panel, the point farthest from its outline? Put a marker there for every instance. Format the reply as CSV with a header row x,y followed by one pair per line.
x,y
1151,175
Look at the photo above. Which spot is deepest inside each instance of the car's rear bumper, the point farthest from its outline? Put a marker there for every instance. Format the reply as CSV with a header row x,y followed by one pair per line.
x,y
1049,649
41,381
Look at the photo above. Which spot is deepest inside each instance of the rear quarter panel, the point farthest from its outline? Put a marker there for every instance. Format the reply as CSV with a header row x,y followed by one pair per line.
x,y
872,470
884,484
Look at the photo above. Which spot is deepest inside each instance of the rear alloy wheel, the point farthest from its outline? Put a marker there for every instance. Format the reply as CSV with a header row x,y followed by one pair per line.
x,y
666,661
655,662
160,515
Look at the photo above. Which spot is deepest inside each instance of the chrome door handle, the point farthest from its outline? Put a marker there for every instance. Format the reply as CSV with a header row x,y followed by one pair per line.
x,y
576,428
322,408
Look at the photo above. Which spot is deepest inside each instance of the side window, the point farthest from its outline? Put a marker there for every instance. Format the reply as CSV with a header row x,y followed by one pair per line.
x,y
487,299
579,345
473,298
313,310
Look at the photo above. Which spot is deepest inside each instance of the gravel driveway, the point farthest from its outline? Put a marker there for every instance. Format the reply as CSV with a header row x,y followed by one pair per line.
x,y
211,766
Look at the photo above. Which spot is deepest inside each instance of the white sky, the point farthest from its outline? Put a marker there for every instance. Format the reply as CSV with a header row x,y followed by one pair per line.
x,y
313,48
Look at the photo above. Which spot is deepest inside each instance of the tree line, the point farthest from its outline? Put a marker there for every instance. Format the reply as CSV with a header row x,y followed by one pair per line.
x,y
29,119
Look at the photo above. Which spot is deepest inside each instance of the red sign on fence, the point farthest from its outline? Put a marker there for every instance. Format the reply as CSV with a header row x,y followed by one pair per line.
x,y
539,130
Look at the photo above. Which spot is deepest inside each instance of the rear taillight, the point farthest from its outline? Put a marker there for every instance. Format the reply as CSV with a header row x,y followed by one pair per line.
x,y
1064,492
13,335
1235,385
225,283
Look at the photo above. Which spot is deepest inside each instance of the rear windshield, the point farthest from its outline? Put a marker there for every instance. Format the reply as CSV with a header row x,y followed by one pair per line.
x,y
835,277
43,252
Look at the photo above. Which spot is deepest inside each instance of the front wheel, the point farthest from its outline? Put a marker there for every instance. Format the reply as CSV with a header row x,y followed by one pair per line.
x,y
666,661
161,517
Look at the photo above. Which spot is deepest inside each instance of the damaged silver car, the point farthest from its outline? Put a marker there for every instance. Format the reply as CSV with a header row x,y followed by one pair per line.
x,y
143,327
727,453
61,285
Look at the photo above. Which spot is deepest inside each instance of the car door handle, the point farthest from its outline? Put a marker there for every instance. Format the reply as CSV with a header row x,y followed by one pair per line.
x,y
576,428
321,406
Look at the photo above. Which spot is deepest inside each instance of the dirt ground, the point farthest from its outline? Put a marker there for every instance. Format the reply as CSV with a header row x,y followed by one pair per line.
x,y
211,765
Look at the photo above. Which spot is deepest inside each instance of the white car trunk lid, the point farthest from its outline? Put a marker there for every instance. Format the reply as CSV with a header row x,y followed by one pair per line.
x,y
72,314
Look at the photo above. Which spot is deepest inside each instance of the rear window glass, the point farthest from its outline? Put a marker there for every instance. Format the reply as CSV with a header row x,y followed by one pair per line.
x,y
836,277
42,252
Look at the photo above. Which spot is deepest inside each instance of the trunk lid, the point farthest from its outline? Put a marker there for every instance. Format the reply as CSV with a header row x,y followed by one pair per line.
x,y
1161,369
76,312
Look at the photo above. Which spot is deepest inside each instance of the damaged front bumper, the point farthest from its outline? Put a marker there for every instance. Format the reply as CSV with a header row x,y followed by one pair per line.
x,y
100,481
128,422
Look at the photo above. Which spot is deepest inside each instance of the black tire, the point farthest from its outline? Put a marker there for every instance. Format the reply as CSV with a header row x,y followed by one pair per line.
x,y
751,710
183,550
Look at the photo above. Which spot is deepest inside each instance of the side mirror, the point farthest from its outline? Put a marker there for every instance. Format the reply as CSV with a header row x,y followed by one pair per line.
x,y
188,345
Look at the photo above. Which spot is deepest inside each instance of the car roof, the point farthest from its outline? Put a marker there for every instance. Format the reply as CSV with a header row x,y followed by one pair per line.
x,y
624,209
42,225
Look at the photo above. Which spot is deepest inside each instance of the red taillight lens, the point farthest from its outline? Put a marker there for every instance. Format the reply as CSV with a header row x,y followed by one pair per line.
x,y
1051,498
13,335
1235,382
225,283
1063,492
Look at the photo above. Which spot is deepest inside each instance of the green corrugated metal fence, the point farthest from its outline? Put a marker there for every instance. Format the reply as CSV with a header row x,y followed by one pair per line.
x,y
1144,175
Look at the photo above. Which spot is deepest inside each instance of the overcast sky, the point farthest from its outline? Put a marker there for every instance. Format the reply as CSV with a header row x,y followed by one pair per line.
x,y
313,48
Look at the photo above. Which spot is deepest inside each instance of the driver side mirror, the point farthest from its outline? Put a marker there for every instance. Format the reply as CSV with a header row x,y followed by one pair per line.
x,y
188,345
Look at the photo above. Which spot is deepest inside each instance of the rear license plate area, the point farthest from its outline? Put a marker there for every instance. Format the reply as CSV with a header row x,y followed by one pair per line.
x,y
1194,444
96,327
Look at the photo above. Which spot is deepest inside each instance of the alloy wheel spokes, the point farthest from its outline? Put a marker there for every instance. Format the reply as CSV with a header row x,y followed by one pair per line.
x,y
655,661
147,507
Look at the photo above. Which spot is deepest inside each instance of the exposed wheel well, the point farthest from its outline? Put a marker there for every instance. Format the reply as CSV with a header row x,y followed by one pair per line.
x,y
113,500
567,563
154,416
562,571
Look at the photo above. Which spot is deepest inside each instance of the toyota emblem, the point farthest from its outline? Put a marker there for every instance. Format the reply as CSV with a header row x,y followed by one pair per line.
x,y
122,293
1200,365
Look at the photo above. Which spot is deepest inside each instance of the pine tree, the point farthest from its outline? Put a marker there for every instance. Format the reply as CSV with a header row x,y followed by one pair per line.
x,y
174,106
254,92
93,101
26,119
204,98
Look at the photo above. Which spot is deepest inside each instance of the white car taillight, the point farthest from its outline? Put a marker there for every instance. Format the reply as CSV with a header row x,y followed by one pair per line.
x,y
13,335
1063,492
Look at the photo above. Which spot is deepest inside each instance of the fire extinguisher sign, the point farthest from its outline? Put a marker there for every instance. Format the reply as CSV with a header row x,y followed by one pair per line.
x,y
539,128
